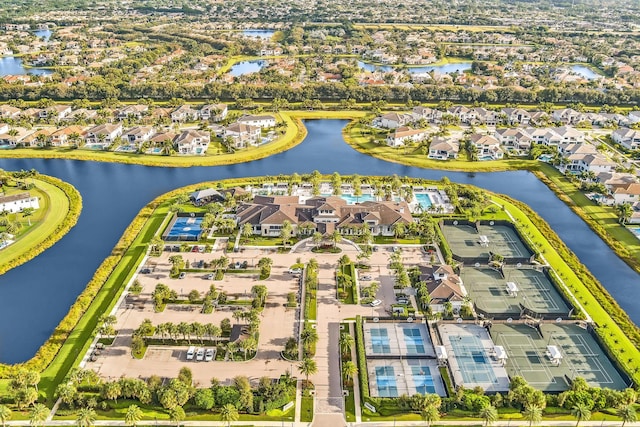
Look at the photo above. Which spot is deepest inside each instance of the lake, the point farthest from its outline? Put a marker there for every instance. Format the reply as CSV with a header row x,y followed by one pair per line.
x,y
44,34
260,34
247,67
451,67
35,296
12,66
586,72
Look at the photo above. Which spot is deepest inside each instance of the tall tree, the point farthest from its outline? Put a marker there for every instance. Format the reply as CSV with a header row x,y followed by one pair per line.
x,y
229,413
86,417
133,416
489,414
5,415
533,414
580,412
627,413
38,415
307,367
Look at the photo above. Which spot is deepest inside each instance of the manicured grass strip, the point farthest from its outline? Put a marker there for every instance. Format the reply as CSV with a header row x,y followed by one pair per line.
x,y
357,136
600,218
615,327
306,406
62,204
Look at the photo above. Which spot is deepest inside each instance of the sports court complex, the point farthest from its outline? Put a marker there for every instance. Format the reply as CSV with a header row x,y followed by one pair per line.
x,y
401,360
504,296
471,243
579,355
469,353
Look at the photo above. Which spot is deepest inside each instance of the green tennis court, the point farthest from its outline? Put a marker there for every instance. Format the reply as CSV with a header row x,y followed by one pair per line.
x,y
488,289
526,348
465,241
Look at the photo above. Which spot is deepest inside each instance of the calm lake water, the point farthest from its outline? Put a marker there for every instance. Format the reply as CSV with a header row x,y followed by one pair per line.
x,y
44,34
451,67
35,296
261,34
585,72
248,67
12,66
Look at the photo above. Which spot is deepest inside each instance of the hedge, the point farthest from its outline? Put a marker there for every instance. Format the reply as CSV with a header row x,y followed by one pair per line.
x,y
70,220
362,360
444,246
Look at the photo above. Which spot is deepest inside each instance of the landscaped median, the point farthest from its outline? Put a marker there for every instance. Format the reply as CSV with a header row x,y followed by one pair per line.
x,y
61,204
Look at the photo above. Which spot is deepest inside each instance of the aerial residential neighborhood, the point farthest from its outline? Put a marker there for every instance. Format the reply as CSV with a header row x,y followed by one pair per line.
x,y
319,214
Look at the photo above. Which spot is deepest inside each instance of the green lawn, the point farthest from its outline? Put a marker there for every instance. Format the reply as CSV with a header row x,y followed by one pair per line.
x,y
306,409
54,208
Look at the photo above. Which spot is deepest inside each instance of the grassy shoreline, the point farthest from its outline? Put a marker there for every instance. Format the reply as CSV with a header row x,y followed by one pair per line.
x,y
64,204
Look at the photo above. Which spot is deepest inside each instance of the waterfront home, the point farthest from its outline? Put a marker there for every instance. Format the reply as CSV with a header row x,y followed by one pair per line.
x,y
404,135
624,193
488,147
9,112
102,136
443,149
243,135
429,114
18,202
193,142
514,139
17,139
259,121
393,120
65,136
138,135
56,112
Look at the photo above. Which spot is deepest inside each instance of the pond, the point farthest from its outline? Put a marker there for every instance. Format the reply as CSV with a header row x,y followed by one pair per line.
x,y
450,67
43,34
12,66
585,71
35,296
259,34
247,67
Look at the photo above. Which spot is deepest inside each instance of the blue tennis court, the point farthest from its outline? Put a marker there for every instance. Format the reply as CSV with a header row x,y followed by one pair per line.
x,y
380,341
413,341
185,228
423,380
474,365
386,381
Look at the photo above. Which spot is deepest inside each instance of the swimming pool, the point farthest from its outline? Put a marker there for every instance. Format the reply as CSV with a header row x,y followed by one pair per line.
x,y
380,341
635,231
423,200
352,200
386,381
413,341
422,379
185,228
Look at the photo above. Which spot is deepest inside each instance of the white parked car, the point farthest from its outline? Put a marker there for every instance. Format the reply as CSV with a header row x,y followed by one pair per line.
x,y
208,355
295,271
200,355
365,277
191,352
375,303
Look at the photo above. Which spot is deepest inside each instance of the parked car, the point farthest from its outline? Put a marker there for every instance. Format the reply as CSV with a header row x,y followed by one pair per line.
x,y
208,355
295,271
191,352
210,276
182,275
145,271
365,277
200,355
403,301
375,303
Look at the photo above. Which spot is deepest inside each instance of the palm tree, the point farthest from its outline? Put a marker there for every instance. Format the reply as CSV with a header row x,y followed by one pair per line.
x,y
346,343
430,414
177,414
336,238
349,370
229,413
307,367
624,212
133,416
317,238
38,415
533,414
581,412
5,415
309,337
627,413
86,417
489,414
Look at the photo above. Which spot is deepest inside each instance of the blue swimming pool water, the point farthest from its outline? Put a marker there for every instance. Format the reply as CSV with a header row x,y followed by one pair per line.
x,y
386,381
413,341
352,200
185,227
423,199
635,231
422,379
380,341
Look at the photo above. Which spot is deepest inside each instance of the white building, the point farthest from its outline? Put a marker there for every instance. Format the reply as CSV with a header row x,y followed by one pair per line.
x,y
18,202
